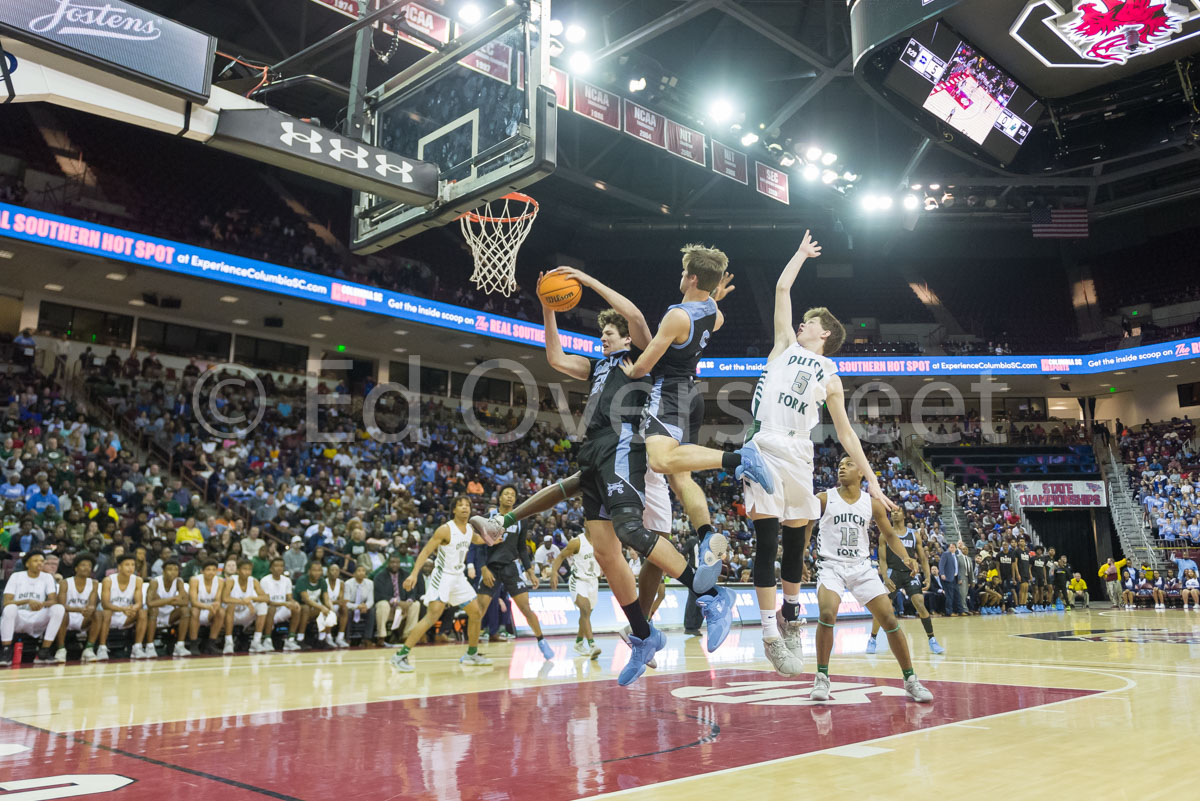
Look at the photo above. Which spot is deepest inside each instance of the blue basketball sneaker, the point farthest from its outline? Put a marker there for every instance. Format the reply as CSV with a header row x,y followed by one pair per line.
x,y
718,616
870,645
709,554
935,646
544,647
754,467
643,652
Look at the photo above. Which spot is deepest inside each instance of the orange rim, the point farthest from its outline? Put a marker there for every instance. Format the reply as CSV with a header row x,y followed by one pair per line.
x,y
519,196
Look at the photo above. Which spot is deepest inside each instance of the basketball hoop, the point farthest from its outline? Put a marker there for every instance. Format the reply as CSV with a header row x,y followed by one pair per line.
x,y
495,235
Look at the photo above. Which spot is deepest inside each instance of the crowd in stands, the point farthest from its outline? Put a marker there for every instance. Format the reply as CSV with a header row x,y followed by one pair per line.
x,y
1164,475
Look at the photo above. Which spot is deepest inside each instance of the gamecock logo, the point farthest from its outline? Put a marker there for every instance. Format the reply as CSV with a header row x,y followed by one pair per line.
x,y
1118,30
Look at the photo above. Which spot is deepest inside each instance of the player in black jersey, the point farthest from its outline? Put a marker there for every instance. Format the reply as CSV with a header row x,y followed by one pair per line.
x,y
612,463
1024,575
509,563
1040,582
896,576
1007,561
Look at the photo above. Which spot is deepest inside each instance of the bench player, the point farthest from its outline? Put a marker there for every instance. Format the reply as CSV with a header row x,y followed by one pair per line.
x,y
896,575
280,607
612,462
585,589
204,595
844,563
245,604
508,562
447,584
166,606
30,607
80,594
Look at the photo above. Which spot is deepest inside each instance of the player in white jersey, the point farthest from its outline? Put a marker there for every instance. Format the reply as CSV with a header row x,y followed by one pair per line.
x,y
121,606
280,606
30,607
447,584
585,589
204,593
80,594
844,565
244,604
166,606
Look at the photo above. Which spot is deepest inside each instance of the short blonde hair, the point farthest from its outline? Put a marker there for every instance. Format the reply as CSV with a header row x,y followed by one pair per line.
x,y
837,331
707,264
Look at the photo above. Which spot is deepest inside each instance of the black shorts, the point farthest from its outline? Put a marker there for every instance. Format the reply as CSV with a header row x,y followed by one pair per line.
x,y
510,576
904,580
675,409
612,473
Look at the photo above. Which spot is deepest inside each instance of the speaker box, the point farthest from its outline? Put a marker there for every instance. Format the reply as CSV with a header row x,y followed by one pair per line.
x,y
273,322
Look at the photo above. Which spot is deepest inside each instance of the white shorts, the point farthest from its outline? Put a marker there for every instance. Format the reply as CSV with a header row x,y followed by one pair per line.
x,y
75,621
204,616
282,613
120,621
33,623
452,589
164,617
588,588
656,515
789,461
862,579
242,615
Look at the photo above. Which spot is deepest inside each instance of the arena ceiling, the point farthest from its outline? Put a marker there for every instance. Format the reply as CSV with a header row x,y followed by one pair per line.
x,y
786,65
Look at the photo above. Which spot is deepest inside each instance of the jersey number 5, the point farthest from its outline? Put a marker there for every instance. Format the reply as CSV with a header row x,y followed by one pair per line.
x,y
800,383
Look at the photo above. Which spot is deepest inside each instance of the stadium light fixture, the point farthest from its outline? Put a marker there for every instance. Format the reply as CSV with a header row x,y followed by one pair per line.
x,y
934,187
580,63
870,202
829,159
470,14
911,202
555,28
931,204
111,276
53,287
720,110
811,172
849,177
576,34
787,160
637,84
948,200
828,176
241,321
885,202
749,139
813,153
915,187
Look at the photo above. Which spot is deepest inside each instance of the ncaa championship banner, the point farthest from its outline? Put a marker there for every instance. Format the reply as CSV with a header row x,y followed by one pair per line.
x,y
1059,494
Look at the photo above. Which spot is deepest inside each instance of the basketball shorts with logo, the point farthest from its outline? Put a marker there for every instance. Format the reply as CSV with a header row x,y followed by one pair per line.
x,y
452,589
242,615
282,613
588,588
861,579
612,470
510,576
789,460
675,409
905,580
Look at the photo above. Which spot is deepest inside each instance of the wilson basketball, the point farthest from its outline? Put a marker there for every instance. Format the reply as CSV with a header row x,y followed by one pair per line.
x,y
559,292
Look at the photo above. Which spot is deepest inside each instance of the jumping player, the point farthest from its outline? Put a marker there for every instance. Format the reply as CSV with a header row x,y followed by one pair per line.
x,y
509,563
585,589
447,585
612,463
843,563
30,607
80,594
896,575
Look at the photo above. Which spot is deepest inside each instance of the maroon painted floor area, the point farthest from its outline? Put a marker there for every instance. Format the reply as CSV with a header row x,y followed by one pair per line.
x,y
552,743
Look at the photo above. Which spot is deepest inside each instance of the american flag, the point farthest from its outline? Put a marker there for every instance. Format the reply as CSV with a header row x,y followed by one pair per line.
x,y
1060,223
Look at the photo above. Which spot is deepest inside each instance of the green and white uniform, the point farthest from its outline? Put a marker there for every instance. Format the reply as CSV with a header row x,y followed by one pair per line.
x,y
448,581
787,406
585,573
844,548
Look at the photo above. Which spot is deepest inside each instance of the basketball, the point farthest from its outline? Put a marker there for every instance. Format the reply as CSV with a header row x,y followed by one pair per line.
x,y
559,292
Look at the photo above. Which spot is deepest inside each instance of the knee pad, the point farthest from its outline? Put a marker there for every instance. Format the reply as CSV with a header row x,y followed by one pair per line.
x,y
627,524
766,535
791,566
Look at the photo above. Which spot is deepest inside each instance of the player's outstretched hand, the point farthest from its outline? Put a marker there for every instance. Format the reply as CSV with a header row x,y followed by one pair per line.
x,y
809,247
723,288
583,278
875,492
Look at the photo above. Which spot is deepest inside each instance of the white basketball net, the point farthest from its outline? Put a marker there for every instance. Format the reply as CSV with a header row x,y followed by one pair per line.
x,y
495,234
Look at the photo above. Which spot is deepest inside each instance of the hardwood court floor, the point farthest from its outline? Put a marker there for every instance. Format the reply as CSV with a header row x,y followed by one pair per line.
x,y
1040,705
